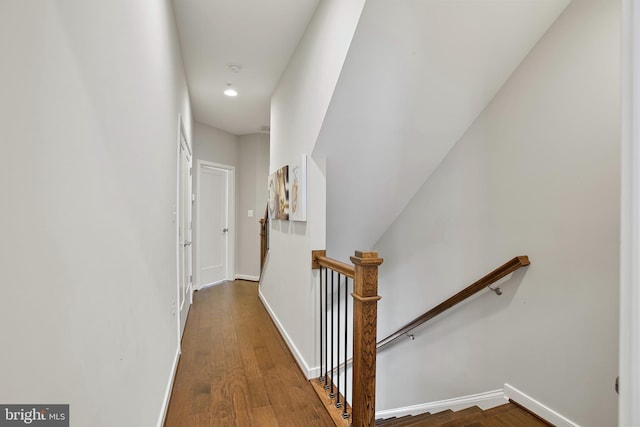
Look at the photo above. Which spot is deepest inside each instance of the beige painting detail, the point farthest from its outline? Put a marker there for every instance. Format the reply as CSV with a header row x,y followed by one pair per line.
x,y
298,182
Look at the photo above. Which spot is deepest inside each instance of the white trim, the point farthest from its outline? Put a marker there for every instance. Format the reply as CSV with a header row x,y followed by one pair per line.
x,y
294,350
176,221
231,206
629,358
208,285
231,199
489,399
182,135
167,393
177,310
315,372
537,408
247,277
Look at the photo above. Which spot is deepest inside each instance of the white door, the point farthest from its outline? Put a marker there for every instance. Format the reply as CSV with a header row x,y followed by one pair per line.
x,y
213,225
184,234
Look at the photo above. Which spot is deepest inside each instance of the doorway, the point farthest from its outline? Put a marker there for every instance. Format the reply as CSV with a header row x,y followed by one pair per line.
x,y
184,219
215,228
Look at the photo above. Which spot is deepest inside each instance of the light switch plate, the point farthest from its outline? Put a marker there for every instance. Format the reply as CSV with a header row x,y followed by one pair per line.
x,y
250,213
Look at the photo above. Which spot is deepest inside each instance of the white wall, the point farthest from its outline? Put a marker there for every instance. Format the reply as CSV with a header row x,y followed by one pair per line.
x,y
418,73
536,174
214,145
298,106
91,97
253,157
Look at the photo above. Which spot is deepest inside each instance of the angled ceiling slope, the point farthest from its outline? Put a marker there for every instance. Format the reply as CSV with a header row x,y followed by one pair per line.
x,y
417,74
259,35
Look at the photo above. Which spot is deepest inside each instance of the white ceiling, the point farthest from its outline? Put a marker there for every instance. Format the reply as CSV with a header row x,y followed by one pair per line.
x,y
257,34
417,74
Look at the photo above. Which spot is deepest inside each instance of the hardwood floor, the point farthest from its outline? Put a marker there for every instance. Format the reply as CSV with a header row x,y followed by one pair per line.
x,y
235,369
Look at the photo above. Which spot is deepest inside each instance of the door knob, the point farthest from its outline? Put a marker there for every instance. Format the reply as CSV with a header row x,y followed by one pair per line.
x,y
185,244
224,230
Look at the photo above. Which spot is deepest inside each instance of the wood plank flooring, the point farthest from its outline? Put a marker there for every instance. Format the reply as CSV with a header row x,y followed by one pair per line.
x,y
235,369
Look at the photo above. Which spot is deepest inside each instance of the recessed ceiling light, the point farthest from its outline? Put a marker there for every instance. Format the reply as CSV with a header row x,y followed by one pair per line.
x,y
230,91
235,68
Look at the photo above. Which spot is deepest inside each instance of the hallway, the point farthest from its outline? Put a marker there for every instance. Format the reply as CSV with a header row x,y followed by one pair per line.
x,y
235,369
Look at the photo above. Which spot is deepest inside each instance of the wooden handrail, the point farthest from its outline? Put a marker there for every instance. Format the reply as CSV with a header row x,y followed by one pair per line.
x,y
264,238
365,298
497,274
320,259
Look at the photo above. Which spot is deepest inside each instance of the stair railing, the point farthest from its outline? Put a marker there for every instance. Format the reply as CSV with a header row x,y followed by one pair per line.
x,y
264,238
334,281
364,274
477,286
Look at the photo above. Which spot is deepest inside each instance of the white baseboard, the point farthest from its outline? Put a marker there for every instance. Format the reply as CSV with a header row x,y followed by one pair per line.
x,y
537,408
247,277
314,372
485,400
167,393
294,350
208,285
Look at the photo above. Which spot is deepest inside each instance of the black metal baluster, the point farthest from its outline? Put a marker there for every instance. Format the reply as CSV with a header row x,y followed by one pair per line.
x,y
338,348
345,415
326,330
320,335
332,395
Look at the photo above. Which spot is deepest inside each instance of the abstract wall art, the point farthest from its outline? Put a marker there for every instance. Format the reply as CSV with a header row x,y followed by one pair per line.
x,y
288,192
282,188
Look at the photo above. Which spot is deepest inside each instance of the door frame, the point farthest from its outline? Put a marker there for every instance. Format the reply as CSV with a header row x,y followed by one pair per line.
x,y
231,206
629,363
182,134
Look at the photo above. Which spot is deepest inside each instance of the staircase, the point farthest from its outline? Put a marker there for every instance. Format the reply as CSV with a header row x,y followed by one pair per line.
x,y
508,415
356,407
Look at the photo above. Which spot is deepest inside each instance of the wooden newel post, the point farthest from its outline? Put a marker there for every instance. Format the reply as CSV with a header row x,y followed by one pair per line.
x,y
365,318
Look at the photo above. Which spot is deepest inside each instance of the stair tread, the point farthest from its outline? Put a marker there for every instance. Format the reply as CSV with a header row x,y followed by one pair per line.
x,y
507,415
491,422
516,416
413,420
395,421
525,417
443,414
383,421
465,417
422,419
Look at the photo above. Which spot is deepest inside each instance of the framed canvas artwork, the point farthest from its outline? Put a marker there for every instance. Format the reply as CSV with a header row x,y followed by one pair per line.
x,y
282,188
273,196
298,191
